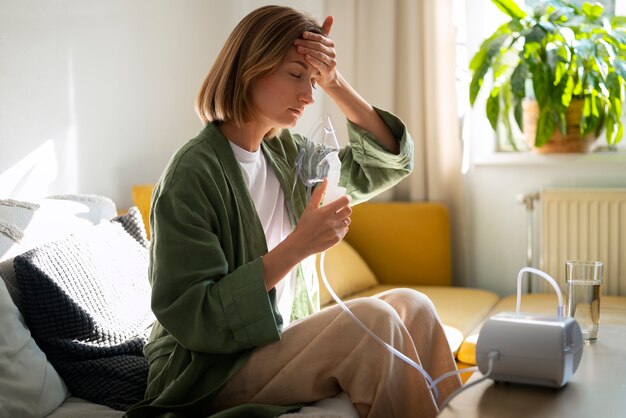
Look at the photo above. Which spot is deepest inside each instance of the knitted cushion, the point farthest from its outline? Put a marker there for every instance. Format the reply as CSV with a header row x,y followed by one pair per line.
x,y
133,224
86,299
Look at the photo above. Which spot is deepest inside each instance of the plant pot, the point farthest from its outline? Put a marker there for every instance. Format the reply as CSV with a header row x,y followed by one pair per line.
x,y
558,143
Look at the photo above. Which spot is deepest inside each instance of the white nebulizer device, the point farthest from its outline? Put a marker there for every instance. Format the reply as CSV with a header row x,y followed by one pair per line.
x,y
532,349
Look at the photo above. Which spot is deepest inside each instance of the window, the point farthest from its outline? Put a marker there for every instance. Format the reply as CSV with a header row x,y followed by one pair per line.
x,y
474,21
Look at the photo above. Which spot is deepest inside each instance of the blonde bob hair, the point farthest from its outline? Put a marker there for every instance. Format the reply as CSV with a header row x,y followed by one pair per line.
x,y
255,48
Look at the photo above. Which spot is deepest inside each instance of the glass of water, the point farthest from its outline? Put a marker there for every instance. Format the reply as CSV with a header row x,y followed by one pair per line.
x,y
584,286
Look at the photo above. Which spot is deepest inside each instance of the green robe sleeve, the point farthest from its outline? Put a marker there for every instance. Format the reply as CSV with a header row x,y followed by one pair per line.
x,y
367,167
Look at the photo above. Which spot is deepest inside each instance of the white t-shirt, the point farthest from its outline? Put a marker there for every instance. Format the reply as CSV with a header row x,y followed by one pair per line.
x,y
269,202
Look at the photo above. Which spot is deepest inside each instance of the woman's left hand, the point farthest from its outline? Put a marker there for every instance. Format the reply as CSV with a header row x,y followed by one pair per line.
x,y
319,51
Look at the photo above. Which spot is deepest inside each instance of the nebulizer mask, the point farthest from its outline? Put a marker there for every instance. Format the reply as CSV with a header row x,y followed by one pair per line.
x,y
317,160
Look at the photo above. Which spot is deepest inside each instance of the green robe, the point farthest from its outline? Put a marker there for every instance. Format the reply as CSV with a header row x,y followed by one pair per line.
x,y
208,290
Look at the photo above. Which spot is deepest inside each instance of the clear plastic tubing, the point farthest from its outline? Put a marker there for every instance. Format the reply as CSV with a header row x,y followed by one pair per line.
x,y
560,309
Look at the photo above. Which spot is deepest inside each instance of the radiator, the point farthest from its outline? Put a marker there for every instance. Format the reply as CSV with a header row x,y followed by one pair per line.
x,y
584,224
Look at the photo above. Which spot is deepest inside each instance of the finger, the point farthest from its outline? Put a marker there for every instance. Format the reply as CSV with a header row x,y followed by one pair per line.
x,y
322,63
305,47
321,66
328,23
318,194
338,205
317,38
344,213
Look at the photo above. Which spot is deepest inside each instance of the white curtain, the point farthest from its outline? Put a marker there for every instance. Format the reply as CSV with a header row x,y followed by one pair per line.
x,y
400,55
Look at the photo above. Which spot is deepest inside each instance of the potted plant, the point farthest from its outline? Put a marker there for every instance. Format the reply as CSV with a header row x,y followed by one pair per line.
x,y
558,59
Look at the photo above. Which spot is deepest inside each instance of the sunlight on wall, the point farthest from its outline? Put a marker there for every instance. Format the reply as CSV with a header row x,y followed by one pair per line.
x,y
31,176
70,166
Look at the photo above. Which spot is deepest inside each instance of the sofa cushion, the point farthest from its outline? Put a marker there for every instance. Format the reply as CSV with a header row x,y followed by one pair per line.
x,y
80,408
404,243
346,272
86,299
460,309
142,197
46,220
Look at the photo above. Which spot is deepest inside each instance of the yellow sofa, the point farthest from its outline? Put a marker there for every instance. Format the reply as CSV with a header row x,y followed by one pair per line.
x,y
397,245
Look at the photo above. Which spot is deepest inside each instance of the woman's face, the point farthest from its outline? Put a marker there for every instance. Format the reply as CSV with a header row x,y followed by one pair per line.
x,y
281,96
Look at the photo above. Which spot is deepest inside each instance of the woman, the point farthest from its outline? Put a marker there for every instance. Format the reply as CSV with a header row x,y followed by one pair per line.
x,y
234,286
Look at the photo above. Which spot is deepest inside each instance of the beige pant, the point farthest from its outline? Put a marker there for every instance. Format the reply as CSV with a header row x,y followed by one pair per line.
x,y
327,352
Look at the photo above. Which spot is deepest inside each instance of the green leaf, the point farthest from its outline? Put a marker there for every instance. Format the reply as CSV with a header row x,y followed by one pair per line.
x,y
510,8
481,62
614,84
536,34
493,108
489,46
477,82
545,127
617,21
593,10
562,122
594,106
620,68
562,58
518,113
619,134
518,80
541,85
616,107
566,96
548,27
610,131
507,98
587,107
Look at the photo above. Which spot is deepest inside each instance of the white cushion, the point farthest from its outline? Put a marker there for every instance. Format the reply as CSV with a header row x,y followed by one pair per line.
x,y
35,223
79,408
50,219
29,385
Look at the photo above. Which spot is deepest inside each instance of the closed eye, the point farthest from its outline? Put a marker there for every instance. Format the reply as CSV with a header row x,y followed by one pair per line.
x,y
299,76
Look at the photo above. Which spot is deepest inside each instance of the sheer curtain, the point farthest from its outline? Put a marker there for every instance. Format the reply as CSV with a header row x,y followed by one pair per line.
x,y
400,55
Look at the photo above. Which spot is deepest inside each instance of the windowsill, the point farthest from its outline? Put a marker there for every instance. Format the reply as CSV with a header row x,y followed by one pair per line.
x,y
532,159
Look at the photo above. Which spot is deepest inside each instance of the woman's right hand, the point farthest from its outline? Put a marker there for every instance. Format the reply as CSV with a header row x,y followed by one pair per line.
x,y
321,227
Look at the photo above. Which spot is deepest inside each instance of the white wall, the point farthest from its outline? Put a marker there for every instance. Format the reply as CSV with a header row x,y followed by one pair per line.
x,y
95,96
498,221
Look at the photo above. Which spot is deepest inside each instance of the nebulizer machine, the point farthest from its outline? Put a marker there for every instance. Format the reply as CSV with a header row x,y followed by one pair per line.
x,y
513,347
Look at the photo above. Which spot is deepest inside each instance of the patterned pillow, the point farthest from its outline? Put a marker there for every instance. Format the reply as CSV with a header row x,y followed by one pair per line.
x,y
86,300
